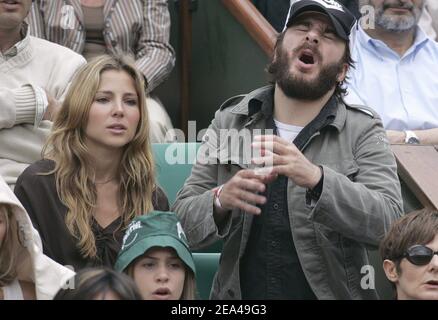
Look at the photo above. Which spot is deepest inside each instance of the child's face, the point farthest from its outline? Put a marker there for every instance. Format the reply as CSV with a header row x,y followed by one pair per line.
x,y
2,223
160,274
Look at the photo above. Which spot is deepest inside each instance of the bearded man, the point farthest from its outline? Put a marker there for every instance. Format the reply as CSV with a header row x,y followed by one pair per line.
x,y
298,228
397,73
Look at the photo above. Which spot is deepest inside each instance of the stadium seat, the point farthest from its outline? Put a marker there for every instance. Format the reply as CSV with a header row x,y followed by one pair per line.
x,y
206,267
174,163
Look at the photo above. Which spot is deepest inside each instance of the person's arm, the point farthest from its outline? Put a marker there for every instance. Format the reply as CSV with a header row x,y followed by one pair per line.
x,y
363,208
206,215
26,104
155,57
195,201
427,137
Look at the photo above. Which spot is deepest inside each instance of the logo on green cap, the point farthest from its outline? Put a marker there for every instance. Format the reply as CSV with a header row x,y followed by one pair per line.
x,y
181,233
132,227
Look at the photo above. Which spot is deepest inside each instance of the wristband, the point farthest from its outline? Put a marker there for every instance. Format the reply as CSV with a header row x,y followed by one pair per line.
x,y
217,193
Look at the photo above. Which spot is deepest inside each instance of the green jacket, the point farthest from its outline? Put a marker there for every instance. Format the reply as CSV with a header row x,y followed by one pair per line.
x,y
360,198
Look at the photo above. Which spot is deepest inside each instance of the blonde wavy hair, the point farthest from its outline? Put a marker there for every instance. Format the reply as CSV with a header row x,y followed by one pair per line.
x,y
74,173
9,247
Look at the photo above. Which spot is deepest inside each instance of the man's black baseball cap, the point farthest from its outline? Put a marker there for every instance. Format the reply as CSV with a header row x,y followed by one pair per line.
x,y
343,20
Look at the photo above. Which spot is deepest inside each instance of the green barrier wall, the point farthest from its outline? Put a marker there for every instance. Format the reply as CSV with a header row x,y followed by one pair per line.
x,y
226,62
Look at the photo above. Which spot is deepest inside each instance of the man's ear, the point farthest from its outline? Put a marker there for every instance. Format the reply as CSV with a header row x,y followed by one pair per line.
x,y
390,270
343,74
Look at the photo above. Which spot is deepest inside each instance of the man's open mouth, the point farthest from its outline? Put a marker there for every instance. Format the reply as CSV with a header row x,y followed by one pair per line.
x,y
307,57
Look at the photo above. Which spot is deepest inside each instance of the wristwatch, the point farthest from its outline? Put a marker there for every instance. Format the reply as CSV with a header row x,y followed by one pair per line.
x,y
411,137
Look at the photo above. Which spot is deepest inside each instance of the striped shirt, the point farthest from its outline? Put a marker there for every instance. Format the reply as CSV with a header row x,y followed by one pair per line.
x,y
140,28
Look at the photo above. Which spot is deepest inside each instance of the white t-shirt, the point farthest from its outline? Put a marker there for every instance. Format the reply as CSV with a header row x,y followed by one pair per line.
x,y
286,131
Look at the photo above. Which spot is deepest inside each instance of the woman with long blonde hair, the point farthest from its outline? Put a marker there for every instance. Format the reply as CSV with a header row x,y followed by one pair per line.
x,y
97,173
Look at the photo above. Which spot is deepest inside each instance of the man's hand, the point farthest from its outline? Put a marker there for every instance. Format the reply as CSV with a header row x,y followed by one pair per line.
x,y
52,108
240,192
396,137
287,160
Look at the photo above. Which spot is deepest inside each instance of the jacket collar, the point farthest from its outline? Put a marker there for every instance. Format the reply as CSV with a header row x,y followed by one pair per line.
x,y
261,99
341,115
261,102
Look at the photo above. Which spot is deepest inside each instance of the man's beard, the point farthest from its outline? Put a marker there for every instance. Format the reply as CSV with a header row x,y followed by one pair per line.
x,y
397,23
296,87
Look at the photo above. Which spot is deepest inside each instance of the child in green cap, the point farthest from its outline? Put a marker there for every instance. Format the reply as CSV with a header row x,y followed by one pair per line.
x,y
155,253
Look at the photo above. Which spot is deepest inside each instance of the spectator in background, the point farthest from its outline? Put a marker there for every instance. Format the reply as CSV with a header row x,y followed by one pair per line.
x,y
429,19
397,69
156,255
275,11
140,28
34,76
25,272
410,255
100,284
98,171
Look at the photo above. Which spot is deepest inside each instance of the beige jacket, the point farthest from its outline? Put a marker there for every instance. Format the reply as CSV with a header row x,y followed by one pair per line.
x,y
33,266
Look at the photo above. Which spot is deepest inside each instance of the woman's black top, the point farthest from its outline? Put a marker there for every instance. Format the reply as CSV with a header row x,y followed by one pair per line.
x,y
39,197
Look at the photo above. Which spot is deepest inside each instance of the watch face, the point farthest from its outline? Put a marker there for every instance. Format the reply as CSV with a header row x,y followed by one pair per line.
x,y
413,140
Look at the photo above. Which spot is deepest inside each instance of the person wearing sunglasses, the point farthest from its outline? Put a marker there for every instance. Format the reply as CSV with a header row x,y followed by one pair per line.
x,y
410,255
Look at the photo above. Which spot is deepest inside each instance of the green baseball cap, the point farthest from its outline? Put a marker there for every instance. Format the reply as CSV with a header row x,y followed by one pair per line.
x,y
156,229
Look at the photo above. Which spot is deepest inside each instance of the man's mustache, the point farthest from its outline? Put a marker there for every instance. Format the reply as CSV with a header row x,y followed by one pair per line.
x,y
314,50
398,5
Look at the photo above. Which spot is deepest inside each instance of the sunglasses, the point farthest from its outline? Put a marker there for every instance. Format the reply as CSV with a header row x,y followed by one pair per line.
x,y
419,254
